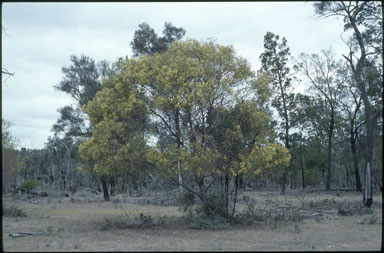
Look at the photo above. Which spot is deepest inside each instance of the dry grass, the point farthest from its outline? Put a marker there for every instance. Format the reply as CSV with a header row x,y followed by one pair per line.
x,y
75,226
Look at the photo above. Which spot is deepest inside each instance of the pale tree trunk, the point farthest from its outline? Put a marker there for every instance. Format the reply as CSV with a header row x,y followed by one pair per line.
x,y
180,177
355,161
284,178
368,187
179,144
329,164
353,137
368,194
369,118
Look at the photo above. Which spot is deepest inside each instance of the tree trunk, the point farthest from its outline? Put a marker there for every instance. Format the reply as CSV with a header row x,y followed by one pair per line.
x,y
357,72
180,177
368,187
355,161
51,175
241,182
235,198
226,191
64,183
284,178
112,183
302,171
368,193
329,163
134,183
178,139
203,193
124,182
105,188
283,181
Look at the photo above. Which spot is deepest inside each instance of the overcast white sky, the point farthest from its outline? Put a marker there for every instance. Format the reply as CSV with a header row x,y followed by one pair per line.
x,y
41,37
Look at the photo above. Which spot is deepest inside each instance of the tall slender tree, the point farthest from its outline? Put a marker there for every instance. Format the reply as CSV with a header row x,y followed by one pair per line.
x,y
365,19
274,60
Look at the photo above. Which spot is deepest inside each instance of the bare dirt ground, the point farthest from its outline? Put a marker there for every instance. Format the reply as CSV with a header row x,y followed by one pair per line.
x,y
75,224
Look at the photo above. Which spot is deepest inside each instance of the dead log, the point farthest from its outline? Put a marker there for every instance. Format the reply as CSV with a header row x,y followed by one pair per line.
x,y
21,234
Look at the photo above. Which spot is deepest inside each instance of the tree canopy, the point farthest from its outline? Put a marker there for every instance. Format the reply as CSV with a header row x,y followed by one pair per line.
x,y
187,93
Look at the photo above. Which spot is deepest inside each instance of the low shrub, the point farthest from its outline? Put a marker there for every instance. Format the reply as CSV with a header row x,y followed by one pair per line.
x,y
373,219
187,200
13,211
204,222
130,221
28,184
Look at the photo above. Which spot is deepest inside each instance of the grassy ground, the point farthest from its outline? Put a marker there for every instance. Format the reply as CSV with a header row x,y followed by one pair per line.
x,y
76,224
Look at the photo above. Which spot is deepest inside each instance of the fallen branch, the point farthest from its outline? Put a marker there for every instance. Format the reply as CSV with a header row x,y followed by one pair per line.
x,y
281,205
21,234
91,190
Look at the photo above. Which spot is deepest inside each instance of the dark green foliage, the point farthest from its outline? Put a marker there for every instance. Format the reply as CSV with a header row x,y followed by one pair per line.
x,y
214,207
28,184
275,57
36,164
146,41
131,221
187,200
71,121
82,80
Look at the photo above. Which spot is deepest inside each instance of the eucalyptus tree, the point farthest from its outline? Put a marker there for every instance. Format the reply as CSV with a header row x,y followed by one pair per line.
x,y
325,74
365,20
351,104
